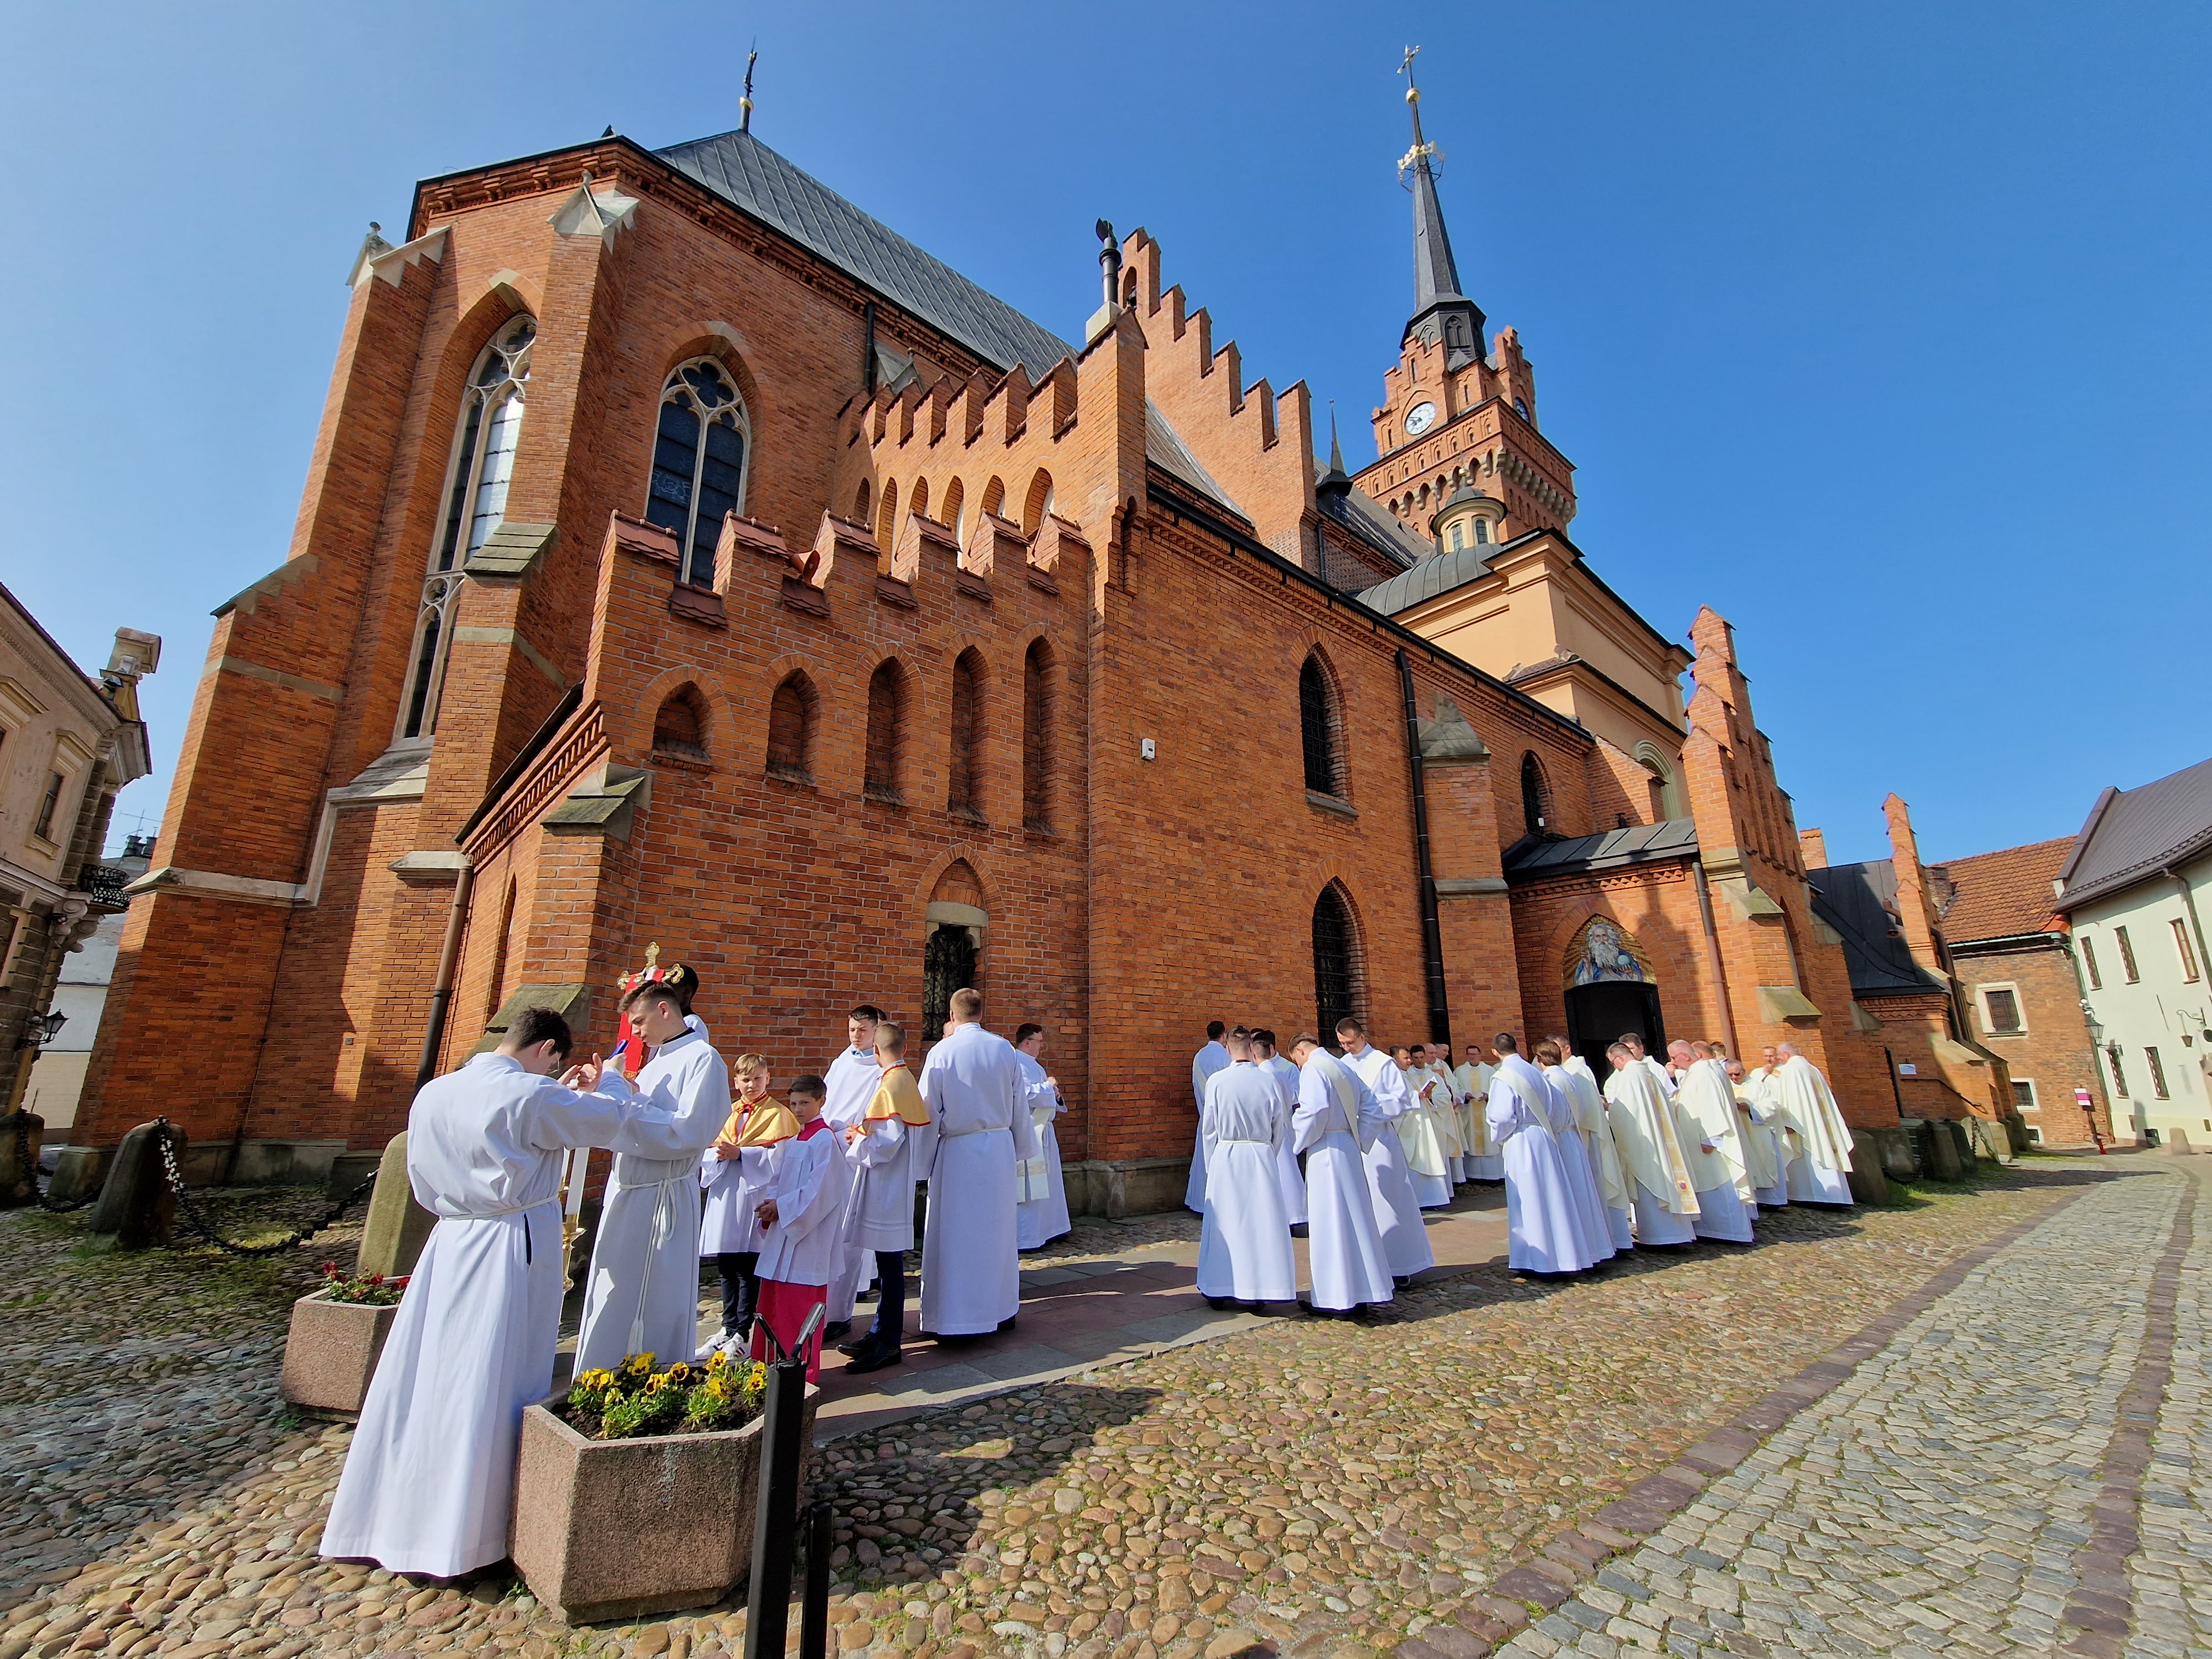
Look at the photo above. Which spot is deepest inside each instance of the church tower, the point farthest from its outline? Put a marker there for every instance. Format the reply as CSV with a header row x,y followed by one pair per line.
x,y
1456,417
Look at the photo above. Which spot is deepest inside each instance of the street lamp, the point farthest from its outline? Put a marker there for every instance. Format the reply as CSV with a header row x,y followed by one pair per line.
x,y
42,1030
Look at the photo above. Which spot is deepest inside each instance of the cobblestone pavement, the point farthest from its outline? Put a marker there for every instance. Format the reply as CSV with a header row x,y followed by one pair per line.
x,y
1306,1487
2022,1469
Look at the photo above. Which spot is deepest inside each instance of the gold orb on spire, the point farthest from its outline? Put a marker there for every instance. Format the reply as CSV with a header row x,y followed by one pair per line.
x,y
1413,94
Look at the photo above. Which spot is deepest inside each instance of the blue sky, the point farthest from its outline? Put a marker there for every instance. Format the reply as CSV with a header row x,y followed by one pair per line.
x,y
1879,327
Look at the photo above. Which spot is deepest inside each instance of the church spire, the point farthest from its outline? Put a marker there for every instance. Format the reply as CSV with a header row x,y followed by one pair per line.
x,y
1441,312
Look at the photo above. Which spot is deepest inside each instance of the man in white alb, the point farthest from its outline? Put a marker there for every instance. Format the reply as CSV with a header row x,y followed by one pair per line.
x,y
1245,1251
1705,1118
851,1079
1546,1233
1336,1119
1820,1174
1041,1213
1289,1177
1482,1160
427,1484
1203,1065
1595,1129
1397,1209
1643,1125
971,1268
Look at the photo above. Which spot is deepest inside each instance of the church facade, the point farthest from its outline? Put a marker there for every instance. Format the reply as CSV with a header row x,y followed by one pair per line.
x,y
686,559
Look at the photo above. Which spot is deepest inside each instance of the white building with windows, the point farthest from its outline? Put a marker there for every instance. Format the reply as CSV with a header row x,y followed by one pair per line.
x,y
2134,892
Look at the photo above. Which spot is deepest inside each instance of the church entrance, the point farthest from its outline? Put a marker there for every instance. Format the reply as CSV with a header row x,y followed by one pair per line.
x,y
1610,992
952,954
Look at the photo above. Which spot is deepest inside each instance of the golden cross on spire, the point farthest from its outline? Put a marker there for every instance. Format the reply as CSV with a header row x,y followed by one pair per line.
x,y
1406,68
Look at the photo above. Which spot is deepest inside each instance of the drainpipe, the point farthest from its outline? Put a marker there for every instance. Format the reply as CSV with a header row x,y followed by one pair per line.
x,y
441,994
1432,936
1713,958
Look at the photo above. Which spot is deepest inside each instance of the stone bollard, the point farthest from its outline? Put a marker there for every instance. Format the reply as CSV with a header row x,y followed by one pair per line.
x,y
392,1236
22,1134
1869,1181
137,1205
2175,1143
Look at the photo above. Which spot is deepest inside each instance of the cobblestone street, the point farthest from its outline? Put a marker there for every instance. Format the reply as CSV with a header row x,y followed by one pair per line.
x,y
2005,1455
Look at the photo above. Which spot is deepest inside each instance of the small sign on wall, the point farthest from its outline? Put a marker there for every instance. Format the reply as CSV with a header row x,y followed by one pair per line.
x,y
1907,1068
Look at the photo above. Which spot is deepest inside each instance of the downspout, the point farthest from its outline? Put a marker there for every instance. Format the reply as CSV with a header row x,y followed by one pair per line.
x,y
1432,936
441,994
1713,956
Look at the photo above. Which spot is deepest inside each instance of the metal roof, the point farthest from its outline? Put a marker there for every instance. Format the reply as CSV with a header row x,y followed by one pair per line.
x,y
1166,449
1345,504
2134,834
740,169
1859,901
1438,573
1532,858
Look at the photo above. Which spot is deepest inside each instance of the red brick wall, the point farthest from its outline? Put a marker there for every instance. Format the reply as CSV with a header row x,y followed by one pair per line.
x,y
2053,1051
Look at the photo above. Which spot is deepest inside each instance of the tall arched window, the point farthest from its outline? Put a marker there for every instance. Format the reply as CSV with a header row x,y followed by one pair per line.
x,y
953,514
791,729
482,462
1335,962
886,707
698,464
963,791
1535,796
1317,729
1036,737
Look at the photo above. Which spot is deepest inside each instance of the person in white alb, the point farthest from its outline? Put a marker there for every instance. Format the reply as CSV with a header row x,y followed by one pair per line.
x,y
642,1295
1482,1161
1763,1142
1574,1152
1203,1065
801,1241
1643,1125
1595,1129
971,1268
1545,1232
1244,1252
850,1083
893,1139
1041,1215
1418,1138
1289,1177
1336,1120
1820,1174
1397,1211
428,1479
1705,1118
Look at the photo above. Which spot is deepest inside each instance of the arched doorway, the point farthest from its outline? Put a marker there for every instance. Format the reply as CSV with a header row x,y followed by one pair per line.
x,y
1610,990
952,948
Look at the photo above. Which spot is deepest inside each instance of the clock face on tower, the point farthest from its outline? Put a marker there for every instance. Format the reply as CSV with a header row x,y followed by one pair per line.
x,y
1420,418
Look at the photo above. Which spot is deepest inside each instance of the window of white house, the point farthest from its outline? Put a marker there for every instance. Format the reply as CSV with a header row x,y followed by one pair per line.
x,y
2182,950
2023,1093
42,826
2157,1074
482,465
2119,1075
2090,963
2127,954
2001,1011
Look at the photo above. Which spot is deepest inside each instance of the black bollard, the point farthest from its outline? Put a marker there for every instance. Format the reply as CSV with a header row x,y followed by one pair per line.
x,y
137,1204
775,1513
814,1607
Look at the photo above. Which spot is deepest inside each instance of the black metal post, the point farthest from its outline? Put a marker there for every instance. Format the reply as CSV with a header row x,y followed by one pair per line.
x,y
814,1609
776,1512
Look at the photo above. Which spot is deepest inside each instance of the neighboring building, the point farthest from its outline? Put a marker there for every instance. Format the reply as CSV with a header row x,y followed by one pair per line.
x,y
2019,986
68,744
687,557
1906,999
80,995
2133,892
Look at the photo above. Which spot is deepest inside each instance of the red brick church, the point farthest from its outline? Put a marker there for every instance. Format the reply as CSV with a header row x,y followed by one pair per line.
x,y
687,558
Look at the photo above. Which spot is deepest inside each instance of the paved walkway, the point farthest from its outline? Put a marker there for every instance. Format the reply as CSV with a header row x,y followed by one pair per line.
x,y
2018,1464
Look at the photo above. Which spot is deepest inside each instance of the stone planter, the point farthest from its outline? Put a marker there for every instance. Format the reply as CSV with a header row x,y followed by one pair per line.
x,y
625,1528
330,1353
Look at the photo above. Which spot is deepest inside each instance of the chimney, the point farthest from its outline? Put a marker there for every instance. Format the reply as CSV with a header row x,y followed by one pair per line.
x,y
1814,845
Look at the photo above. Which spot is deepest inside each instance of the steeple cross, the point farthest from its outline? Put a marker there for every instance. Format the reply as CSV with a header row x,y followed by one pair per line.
x,y
1406,67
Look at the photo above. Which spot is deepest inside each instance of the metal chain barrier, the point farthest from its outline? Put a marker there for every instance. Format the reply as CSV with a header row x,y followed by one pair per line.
x,y
30,1166
199,1222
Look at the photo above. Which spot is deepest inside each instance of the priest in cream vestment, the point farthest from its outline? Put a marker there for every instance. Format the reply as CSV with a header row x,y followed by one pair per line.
x,y
1705,1118
1643,1125
1821,1174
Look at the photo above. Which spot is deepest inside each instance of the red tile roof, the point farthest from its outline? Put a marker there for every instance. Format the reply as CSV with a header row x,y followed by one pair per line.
x,y
1999,895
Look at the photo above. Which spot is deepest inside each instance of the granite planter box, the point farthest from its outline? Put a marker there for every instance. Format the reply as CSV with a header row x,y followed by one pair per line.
x,y
624,1529
330,1353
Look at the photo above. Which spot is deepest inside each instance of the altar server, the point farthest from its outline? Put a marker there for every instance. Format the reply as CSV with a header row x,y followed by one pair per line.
x,y
885,1149
1397,1211
1545,1232
1245,1251
1483,1162
1417,1133
1762,1161
801,1242
1288,1176
427,1484
1704,1117
849,1084
1336,1120
1595,1130
1643,1125
1204,1064
1820,1174
729,1231
1574,1155
1041,1215
971,1269
642,1294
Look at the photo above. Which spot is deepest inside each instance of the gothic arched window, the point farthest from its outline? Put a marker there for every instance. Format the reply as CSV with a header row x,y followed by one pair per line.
x,y
698,464
1535,796
483,463
1317,727
886,706
964,788
1335,962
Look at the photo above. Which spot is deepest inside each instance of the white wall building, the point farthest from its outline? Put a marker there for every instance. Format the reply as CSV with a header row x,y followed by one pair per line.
x,y
80,995
2135,892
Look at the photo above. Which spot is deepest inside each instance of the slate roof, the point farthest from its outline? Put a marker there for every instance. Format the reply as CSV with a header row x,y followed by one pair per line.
x,y
2132,834
741,170
1532,858
2001,895
1859,901
1166,449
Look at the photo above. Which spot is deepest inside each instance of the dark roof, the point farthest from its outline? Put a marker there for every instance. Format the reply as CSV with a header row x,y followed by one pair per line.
x,y
1859,901
1166,449
1533,858
2133,834
2001,895
740,169
1367,520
